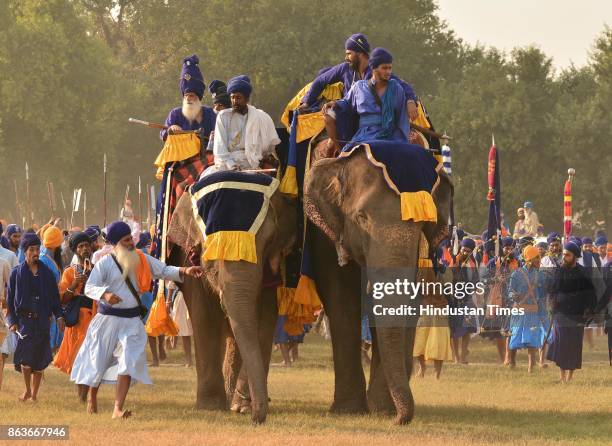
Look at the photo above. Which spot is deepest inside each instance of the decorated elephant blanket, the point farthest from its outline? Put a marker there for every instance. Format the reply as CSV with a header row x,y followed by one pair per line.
x,y
410,171
229,208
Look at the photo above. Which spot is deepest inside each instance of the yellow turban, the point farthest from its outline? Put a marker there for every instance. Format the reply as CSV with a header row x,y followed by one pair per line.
x,y
530,252
52,237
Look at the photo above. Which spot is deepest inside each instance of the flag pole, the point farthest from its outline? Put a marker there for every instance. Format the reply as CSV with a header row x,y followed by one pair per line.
x,y
104,192
139,202
148,207
567,204
64,206
17,203
84,210
29,205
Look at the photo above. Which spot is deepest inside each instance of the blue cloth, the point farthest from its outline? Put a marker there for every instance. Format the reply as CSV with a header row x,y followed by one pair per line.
x,y
218,90
29,239
388,121
282,337
528,330
468,243
32,294
573,248
240,84
380,56
4,242
366,333
116,231
357,42
176,117
55,334
345,74
192,80
229,209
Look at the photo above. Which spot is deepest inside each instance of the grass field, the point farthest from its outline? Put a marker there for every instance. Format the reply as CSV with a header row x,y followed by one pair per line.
x,y
479,403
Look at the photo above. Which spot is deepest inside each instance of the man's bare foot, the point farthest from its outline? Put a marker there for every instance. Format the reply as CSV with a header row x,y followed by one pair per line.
x,y
25,396
188,365
154,364
543,366
92,407
121,414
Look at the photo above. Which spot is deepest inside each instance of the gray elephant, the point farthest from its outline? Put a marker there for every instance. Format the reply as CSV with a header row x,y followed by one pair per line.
x,y
238,284
349,201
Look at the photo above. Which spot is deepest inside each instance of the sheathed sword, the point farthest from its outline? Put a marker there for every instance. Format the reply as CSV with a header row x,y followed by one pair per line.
x,y
155,125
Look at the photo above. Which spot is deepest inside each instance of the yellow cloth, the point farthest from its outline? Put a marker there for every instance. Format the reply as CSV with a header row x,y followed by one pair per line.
x,y
310,124
418,206
421,119
177,148
299,305
230,245
52,237
159,321
288,184
432,339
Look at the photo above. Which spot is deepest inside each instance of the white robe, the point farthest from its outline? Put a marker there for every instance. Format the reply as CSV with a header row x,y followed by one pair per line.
x,y
115,345
239,144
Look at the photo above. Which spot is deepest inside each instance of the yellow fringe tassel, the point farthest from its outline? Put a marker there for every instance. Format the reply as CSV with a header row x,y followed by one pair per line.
x,y
231,245
418,206
177,148
306,293
288,184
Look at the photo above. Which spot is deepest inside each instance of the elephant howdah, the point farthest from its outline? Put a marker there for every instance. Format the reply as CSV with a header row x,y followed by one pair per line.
x,y
229,209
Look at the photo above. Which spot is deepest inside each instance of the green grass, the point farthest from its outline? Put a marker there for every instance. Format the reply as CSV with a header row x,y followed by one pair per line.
x,y
481,403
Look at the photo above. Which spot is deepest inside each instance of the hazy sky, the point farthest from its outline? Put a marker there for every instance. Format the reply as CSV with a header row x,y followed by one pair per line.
x,y
564,30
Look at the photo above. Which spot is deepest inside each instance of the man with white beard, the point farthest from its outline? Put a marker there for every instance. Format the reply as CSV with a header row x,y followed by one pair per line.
x,y
192,115
114,347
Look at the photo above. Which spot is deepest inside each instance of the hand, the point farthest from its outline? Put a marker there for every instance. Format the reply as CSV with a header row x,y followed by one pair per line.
x,y
57,221
303,107
112,298
413,111
61,324
194,271
174,128
328,106
78,279
331,148
13,328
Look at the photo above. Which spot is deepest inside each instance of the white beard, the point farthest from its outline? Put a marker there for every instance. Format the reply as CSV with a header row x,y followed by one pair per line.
x,y
191,111
129,260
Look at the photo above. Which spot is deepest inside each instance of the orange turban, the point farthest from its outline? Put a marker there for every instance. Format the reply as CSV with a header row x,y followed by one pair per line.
x,y
52,237
530,252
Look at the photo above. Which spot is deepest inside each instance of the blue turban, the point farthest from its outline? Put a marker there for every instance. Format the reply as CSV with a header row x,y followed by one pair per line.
x,y
76,239
12,229
587,241
528,205
192,80
468,243
576,240
144,240
542,245
601,241
29,239
240,84
93,232
573,248
507,241
218,90
358,43
379,56
552,237
116,231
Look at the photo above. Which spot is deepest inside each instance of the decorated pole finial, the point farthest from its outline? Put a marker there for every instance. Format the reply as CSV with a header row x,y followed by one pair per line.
x,y
567,204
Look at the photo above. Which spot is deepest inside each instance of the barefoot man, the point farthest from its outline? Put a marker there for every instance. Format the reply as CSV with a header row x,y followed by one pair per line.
x,y
114,347
33,297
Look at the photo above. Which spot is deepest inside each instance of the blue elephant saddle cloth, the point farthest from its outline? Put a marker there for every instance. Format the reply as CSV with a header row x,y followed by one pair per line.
x,y
409,170
229,208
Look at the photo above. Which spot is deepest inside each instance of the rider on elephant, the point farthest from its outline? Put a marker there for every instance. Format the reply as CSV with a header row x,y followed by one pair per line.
x,y
380,104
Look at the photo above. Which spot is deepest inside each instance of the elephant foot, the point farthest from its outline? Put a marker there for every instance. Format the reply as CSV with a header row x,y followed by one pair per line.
x,y
259,413
380,401
404,419
405,411
211,403
349,407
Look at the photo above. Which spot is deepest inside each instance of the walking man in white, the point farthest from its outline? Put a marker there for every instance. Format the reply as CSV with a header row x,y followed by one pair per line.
x,y
114,348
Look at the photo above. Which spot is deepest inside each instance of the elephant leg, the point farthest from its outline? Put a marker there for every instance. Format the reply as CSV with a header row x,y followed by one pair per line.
x,y
232,361
340,290
268,313
207,317
379,398
240,293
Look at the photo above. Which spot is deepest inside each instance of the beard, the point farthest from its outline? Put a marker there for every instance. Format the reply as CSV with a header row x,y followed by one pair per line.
x,y
128,259
191,110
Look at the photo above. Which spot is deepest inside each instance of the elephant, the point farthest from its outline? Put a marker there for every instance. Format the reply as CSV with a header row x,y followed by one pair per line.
x,y
233,288
349,202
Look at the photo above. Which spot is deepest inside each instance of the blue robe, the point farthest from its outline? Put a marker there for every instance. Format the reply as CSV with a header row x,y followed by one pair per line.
x,y
176,117
360,101
33,294
345,74
56,335
528,330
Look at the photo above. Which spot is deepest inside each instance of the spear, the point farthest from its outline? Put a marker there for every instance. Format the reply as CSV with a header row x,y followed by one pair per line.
x,y
50,199
64,206
104,198
17,203
29,206
84,210
148,207
139,201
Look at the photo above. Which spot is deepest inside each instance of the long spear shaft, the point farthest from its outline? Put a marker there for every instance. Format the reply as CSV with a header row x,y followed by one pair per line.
x,y
148,207
29,205
139,202
84,210
64,206
104,193
50,199
17,203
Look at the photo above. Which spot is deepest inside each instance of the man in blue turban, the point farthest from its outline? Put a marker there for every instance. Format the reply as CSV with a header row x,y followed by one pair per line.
x,y
117,283
192,115
13,234
33,298
244,135
532,222
356,66
380,103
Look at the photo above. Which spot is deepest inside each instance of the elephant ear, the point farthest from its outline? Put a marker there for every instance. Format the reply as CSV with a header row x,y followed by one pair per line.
x,y
183,229
323,197
443,197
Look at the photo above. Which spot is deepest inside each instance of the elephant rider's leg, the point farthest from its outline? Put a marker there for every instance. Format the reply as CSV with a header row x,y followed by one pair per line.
x,y
333,144
340,291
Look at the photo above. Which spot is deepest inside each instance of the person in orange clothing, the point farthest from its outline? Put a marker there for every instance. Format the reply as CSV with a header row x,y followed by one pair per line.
x,y
71,287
